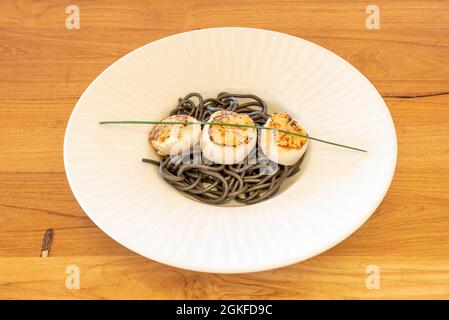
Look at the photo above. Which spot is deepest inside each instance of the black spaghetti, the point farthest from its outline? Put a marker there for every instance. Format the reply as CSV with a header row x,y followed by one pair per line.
x,y
219,183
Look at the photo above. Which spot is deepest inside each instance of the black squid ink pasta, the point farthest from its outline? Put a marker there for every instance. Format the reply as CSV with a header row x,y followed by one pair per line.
x,y
214,183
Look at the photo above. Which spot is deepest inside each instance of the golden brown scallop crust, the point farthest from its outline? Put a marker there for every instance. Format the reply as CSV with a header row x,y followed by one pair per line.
x,y
161,132
230,136
283,121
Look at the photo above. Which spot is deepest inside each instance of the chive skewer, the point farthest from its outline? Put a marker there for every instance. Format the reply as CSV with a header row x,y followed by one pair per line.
x,y
234,125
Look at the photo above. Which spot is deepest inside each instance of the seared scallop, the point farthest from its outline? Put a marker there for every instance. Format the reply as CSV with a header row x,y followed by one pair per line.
x,y
228,144
283,148
172,139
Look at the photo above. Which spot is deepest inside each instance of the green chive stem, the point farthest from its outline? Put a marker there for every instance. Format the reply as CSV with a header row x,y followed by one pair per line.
x,y
234,125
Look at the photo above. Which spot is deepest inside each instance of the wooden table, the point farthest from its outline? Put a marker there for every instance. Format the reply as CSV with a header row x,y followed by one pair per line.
x,y
44,68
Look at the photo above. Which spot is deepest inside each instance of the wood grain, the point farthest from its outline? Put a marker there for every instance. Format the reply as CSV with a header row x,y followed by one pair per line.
x,y
44,68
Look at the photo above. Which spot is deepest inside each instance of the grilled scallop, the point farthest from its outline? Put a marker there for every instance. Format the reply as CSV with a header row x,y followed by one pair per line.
x,y
228,144
172,139
285,149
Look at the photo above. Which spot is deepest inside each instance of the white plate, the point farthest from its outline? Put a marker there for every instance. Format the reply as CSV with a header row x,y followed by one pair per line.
x,y
334,194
